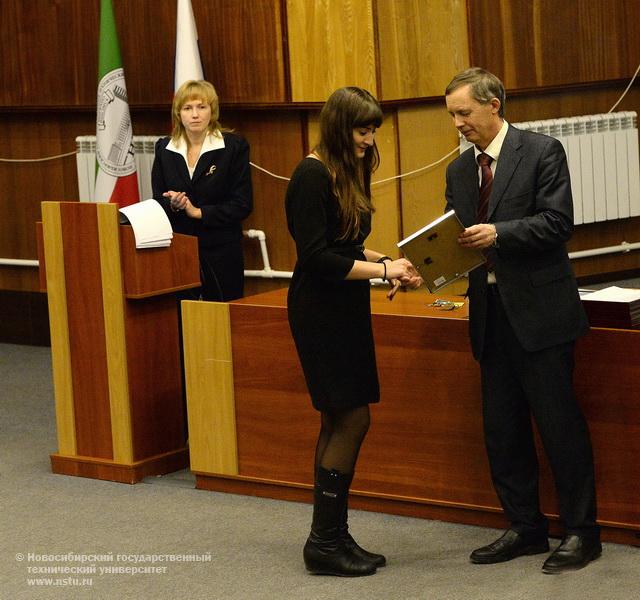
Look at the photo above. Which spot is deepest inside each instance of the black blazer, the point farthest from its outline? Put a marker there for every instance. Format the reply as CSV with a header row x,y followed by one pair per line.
x,y
532,208
221,188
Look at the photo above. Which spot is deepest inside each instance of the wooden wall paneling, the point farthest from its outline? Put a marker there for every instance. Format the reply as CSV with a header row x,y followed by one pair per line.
x,y
25,318
18,278
421,46
277,144
54,60
50,50
47,49
29,137
242,50
32,136
426,134
147,34
554,42
241,45
331,44
386,225
547,104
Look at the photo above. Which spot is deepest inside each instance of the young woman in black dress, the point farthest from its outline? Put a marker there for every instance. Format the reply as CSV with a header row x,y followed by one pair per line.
x,y
328,206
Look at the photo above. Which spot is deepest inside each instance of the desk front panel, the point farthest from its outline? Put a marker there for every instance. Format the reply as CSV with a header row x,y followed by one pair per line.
x,y
425,447
425,439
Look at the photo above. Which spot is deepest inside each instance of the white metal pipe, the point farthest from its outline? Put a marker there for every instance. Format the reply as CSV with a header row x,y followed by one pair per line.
x,y
622,247
260,235
269,273
19,262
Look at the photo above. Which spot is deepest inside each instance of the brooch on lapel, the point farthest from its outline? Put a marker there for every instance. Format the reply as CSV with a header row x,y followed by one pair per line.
x,y
212,168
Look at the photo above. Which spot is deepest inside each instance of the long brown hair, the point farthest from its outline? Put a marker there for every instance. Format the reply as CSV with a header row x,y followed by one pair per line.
x,y
346,109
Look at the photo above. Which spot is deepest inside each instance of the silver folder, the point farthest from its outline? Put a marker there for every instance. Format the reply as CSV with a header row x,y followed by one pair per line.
x,y
436,254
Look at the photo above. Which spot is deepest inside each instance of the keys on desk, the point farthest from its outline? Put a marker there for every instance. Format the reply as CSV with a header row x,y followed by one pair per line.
x,y
446,304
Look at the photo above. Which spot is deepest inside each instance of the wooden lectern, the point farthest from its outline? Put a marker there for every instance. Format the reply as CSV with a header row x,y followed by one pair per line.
x,y
114,343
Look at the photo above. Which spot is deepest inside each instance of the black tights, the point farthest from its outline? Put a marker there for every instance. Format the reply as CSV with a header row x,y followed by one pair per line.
x,y
340,438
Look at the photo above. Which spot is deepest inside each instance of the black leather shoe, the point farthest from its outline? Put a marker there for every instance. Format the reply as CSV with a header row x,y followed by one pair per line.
x,y
574,552
509,546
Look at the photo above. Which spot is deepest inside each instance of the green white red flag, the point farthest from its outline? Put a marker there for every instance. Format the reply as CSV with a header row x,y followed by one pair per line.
x,y
116,178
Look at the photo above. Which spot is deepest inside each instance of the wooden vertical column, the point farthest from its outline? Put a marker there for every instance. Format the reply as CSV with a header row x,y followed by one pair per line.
x,y
209,379
115,342
60,347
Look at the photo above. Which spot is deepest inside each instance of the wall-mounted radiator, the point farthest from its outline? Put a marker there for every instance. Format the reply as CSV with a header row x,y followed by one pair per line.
x,y
602,152
143,147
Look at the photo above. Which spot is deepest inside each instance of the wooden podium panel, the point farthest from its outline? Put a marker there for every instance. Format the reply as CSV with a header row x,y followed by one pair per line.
x,y
424,454
115,343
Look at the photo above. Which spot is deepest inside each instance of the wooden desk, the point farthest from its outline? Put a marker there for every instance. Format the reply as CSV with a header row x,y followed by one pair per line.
x,y
253,431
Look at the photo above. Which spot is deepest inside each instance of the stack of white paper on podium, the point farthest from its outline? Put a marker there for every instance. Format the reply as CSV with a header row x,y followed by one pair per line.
x,y
151,226
613,307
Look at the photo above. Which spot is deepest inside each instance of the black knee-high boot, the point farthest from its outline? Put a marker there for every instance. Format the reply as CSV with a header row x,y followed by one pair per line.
x,y
377,559
325,552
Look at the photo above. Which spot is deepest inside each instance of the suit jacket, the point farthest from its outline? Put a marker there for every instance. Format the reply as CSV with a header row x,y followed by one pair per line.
x,y
221,188
532,208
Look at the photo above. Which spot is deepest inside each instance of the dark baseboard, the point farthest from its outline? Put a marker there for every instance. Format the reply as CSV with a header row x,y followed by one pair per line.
x,y
24,318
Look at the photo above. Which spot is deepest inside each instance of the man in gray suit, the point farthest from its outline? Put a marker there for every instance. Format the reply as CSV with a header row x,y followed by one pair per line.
x,y
513,195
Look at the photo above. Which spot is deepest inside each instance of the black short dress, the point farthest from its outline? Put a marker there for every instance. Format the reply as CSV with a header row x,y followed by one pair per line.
x,y
330,317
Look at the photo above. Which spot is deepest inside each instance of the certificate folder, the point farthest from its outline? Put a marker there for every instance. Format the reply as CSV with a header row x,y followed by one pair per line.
x,y
436,254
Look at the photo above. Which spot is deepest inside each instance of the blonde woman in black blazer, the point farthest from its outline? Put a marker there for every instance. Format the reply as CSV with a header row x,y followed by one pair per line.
x,y
201,176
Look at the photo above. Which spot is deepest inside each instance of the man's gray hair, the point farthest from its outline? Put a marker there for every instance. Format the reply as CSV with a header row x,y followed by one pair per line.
x,y
484,86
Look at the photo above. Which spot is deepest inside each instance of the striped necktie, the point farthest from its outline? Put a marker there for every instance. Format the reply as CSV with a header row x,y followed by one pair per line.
x,y
484,160
486,183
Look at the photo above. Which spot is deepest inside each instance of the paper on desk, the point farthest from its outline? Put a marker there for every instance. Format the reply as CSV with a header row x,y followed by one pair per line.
x,y
151,226
614,294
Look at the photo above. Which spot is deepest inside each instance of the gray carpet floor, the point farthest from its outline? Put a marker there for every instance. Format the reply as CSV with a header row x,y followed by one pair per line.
x,y
248,548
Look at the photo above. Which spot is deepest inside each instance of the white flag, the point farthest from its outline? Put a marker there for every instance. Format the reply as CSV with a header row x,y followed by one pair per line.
x,y
188,64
